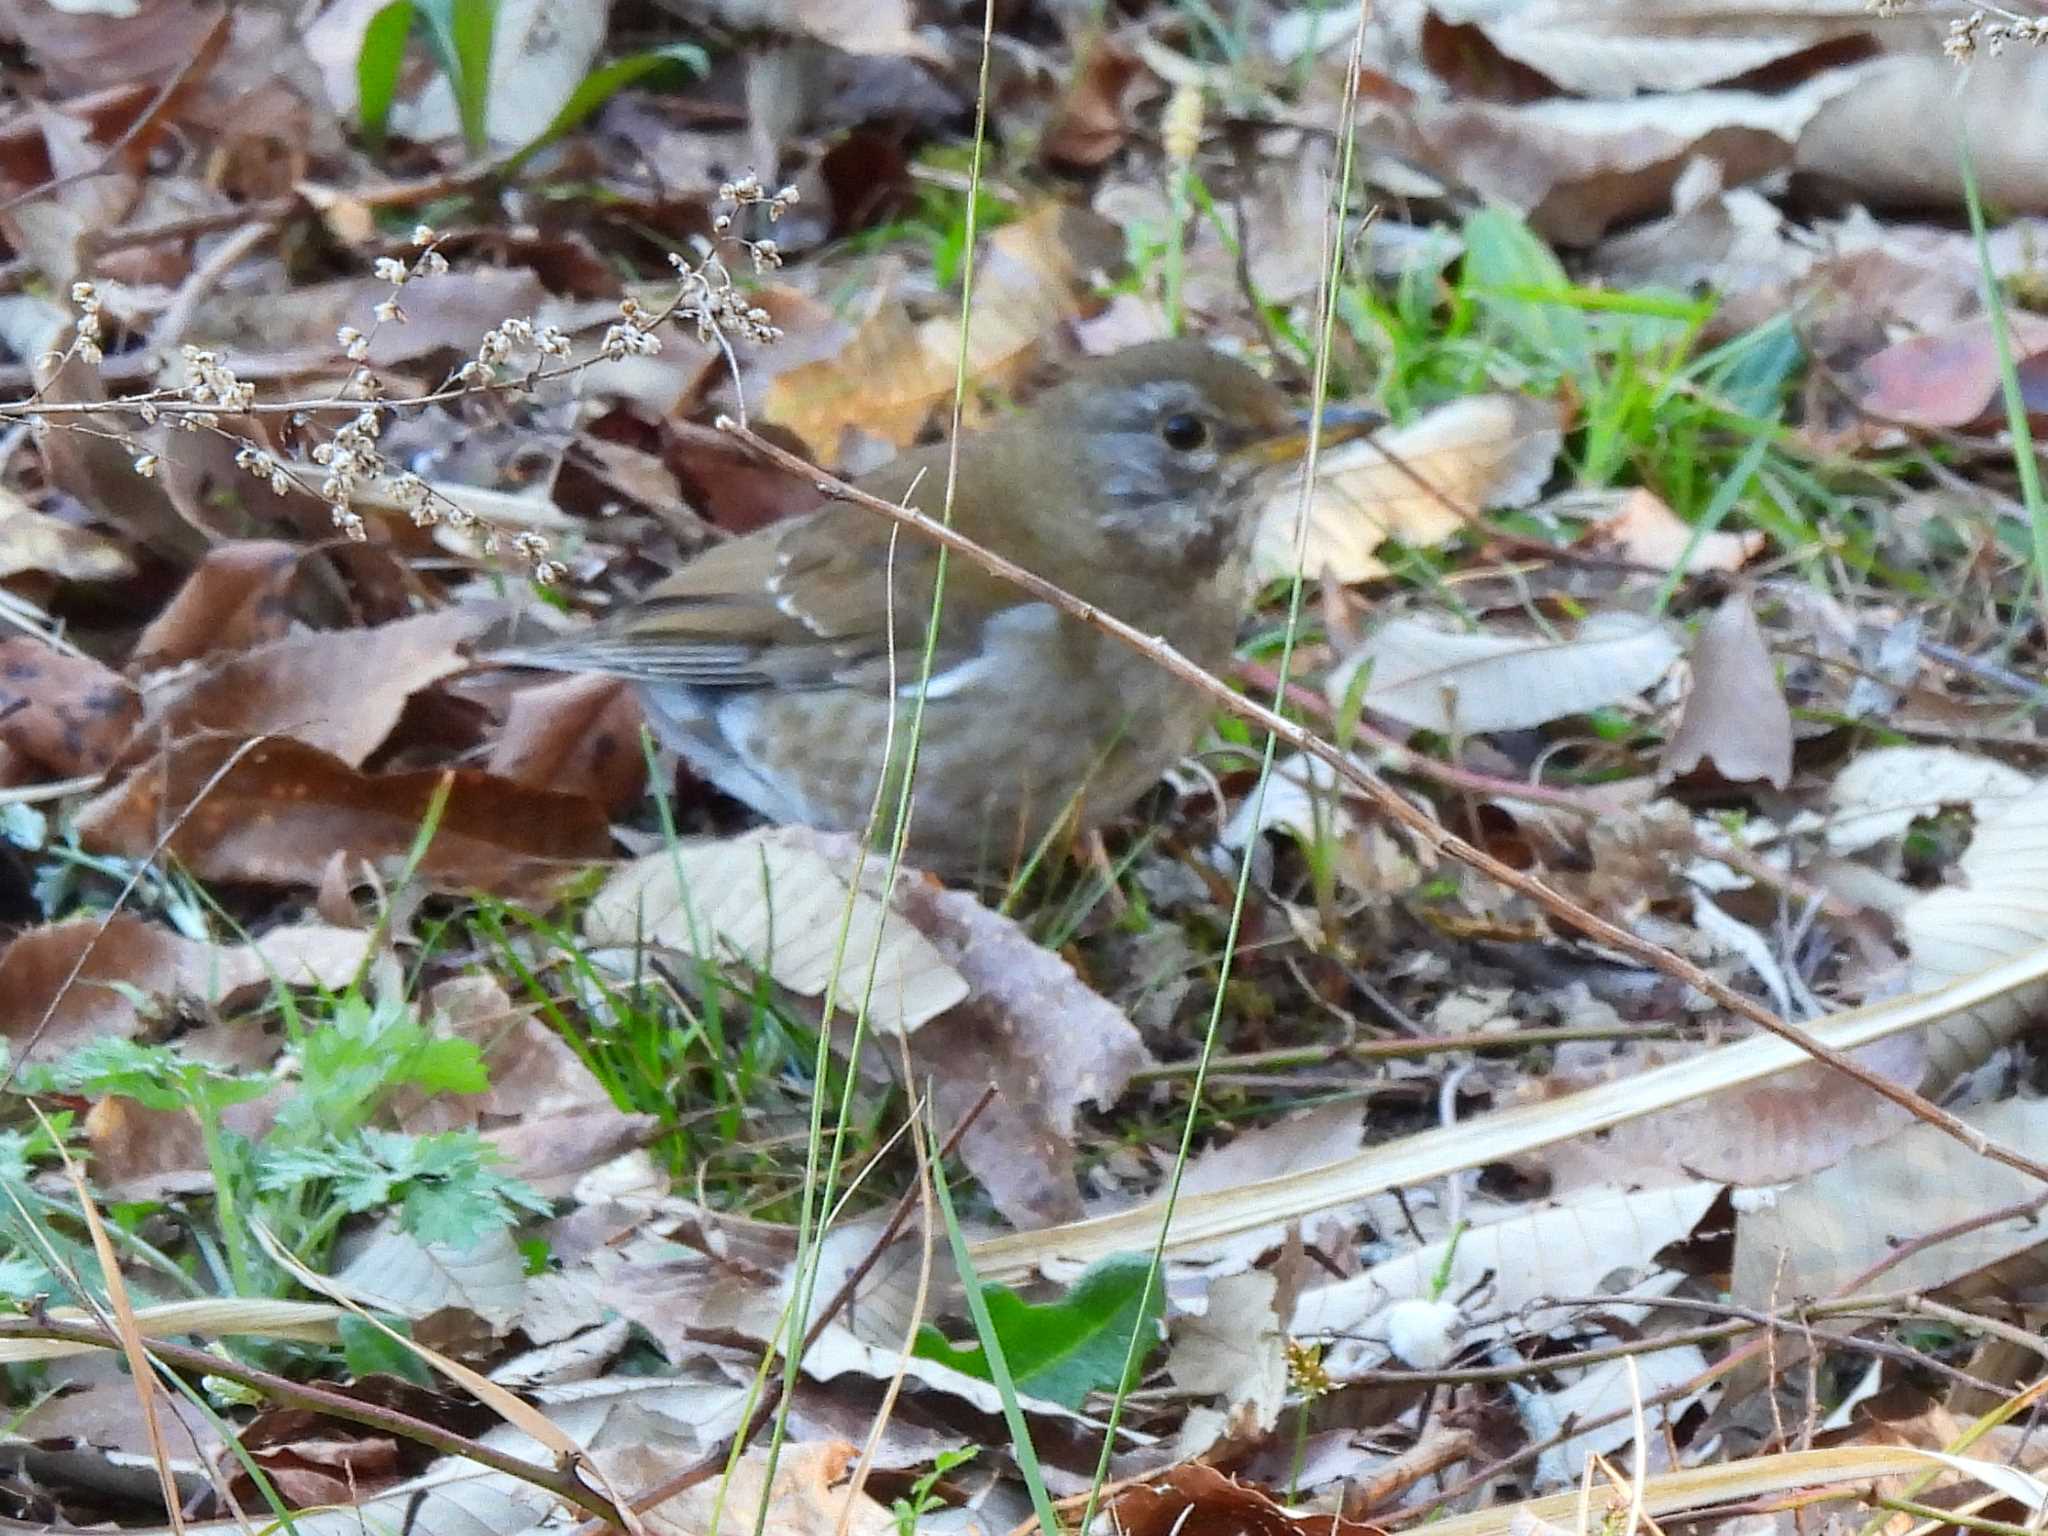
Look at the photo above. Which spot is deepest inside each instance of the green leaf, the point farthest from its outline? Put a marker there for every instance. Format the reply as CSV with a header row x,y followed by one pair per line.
x,y
459,32
1504,259
377,67
1063,1350
154,1076
370,1351
599,86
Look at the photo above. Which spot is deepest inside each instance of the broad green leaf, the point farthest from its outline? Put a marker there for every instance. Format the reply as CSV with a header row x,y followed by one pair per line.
x,y
370,1351
1063,1350
1503,260
600,85
460,32
377,67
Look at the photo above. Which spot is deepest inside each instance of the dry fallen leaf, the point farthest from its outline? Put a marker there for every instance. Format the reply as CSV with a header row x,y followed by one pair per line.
x,y
896,370
1882,792
237,598
773,900
1034,1029
340,690
136,959
1434,679
34,541
61,712
1197,1500
1421,484
278,816
580,735
1950,380
1645,531
1736,713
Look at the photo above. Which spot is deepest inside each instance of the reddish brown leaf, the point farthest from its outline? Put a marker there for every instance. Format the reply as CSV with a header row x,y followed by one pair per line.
x,y
150,961
278,815
238,597
1194,1500
578,736
1950,379
1095,119
64,714
338,690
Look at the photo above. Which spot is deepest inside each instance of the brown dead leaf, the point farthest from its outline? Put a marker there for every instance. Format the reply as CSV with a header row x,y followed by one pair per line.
x,y
1736,713
1034,1029
1094,118
63,713
237,598
1197,1500
97,467
1950,380
279,814
578,736
34,541
1421,483
338,690
1645,531
808,1495
154,962
892,374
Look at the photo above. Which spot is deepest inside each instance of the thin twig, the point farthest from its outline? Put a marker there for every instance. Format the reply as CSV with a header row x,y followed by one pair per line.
x,y
1445,843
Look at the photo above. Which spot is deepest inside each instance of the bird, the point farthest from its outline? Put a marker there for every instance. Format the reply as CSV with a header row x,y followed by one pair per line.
x,y
784,666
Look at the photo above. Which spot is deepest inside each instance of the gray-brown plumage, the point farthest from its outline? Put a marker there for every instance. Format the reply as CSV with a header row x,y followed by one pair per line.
x,y
768,662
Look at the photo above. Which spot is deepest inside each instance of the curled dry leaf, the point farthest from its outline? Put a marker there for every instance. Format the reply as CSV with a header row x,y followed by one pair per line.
x,y
580,735
1735,713
1884,791
32,541
775,900
1433,679
62,713
1197,1500
1034,1029
896,370
1421,484
135,960
1645,531
1998,909
238,597
1813,1236
278,815
1590,48
340,690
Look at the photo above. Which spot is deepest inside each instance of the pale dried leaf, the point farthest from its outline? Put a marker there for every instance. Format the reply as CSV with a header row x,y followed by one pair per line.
x,y
1434,679
1645,531
1735,712
1997,911
1235,1348
1809,1238
773,901
1421,484
1884,791
395,1272
34,541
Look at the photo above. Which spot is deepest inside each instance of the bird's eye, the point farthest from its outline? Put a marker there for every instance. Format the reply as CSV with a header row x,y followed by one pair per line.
x,y
1184,433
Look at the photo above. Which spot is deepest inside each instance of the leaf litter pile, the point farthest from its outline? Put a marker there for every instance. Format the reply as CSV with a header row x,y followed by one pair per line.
x,y
420,1115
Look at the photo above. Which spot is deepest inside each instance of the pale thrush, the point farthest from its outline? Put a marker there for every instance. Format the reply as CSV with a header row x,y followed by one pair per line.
x,y
768,662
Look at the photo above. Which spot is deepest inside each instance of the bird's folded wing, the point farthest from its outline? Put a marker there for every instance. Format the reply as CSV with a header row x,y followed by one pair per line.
x,y
811,604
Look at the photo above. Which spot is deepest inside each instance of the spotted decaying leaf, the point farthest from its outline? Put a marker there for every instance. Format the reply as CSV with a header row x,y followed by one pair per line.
x,y
61,713
279,813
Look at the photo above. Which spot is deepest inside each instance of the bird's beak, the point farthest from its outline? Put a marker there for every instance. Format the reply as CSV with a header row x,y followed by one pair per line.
x,y
1341,424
